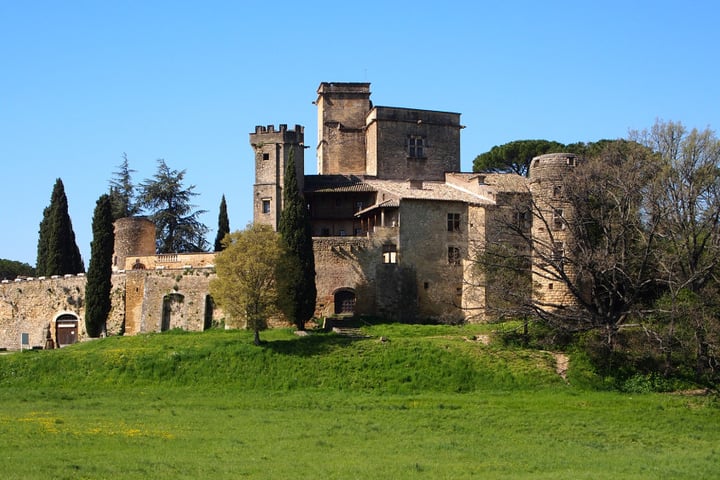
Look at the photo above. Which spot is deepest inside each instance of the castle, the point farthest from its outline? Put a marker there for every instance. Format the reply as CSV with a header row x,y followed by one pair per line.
x,y
395,225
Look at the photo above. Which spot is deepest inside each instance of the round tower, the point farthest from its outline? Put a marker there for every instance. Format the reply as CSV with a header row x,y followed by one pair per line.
x,y
552,239
134,237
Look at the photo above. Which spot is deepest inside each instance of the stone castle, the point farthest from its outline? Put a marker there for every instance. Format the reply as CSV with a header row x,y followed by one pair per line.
x,y
395,224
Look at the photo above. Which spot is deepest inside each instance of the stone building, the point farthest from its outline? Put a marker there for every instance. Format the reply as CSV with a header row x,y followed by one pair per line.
x,y
395,224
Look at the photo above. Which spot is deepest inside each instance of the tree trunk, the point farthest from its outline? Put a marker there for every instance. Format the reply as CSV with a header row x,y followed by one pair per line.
x,y
256,339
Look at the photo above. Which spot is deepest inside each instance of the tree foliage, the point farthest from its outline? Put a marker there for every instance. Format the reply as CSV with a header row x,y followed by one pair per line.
x,y
223,225
514,157
11,269
58,253
122,191
687,199
245,287
167,202
297,290
99,275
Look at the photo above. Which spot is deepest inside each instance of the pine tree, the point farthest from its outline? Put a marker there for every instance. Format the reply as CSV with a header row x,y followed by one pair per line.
x,y
99,283
122,191
296,286
167,200
223,225
58,253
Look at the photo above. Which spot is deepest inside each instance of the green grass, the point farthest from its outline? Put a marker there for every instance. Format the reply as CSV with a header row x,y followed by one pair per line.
x,y
428,403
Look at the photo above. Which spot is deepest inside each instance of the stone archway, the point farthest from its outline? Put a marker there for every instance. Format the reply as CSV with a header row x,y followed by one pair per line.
x,y
172,311
66,329
344,301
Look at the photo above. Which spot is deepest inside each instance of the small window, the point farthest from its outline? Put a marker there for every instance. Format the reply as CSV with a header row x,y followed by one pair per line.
x,y
558,220
426,285
521,218
266,205
571,161
453,222
454,255
416,146
358,206
342,232
557,191
266,156
389,253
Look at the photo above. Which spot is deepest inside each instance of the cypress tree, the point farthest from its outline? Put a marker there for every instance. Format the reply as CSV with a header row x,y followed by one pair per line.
x,y
99,275
223,225
296,283
58,253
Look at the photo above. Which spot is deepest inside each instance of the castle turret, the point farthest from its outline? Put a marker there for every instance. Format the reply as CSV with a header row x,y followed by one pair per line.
x,y
134,236
272,152
551,236
342,111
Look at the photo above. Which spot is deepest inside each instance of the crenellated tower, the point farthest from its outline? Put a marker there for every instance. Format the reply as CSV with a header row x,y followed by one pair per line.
x,y
272,152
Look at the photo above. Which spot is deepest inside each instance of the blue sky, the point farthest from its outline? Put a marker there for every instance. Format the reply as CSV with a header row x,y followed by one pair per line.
x,y
81,82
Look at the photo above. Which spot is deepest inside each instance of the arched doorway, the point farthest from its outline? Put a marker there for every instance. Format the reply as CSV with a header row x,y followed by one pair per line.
x,y
345,301
172,311
66,329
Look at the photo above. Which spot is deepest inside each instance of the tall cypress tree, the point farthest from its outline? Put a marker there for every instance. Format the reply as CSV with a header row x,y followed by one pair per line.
x,y
58,252
99,275
296,284
223,225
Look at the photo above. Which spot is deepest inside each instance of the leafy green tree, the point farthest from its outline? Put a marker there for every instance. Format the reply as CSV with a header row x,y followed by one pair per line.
x,y
514,157
223,225
11,269
122,191
99,275
245,286
297,290
58,253
167,200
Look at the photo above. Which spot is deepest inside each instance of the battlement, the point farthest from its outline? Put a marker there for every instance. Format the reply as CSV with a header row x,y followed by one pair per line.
x,y
282,128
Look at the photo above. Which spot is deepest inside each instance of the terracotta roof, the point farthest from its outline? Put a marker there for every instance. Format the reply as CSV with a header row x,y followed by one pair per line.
x,y
430,190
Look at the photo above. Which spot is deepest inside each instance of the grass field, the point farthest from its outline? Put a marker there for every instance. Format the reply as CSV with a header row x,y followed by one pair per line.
x,y
428,403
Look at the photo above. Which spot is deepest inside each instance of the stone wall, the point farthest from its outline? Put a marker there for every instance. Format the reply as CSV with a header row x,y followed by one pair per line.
x,y
30,305
424,244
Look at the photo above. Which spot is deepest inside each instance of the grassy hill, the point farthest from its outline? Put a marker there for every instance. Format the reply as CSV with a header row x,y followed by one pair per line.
x,y
403,402
388,358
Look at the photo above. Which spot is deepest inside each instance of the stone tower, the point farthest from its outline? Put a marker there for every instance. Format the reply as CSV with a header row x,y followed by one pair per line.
x,y
272,152
134,236
551,237
342,111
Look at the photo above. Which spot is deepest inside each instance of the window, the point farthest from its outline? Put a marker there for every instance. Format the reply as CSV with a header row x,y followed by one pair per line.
x,y
416,146
358,206
557,191
324,232
453,222
389,253
558,220
571,161
521,218
266,156
454,255
266,205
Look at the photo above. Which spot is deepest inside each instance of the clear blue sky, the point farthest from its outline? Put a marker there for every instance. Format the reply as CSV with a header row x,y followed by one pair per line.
x,y
81,82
